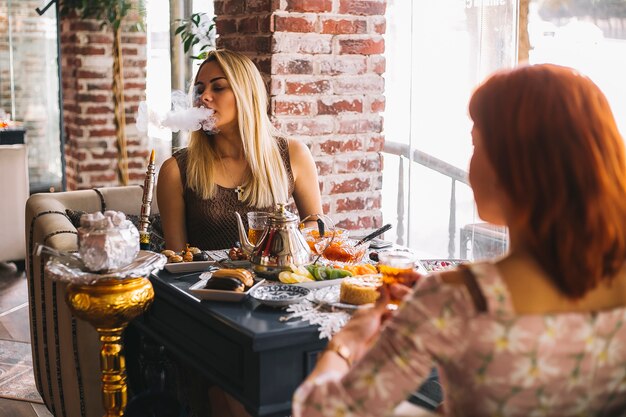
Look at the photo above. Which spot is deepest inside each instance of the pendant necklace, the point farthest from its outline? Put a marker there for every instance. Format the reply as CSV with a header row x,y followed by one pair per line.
x,y
239,188
239,191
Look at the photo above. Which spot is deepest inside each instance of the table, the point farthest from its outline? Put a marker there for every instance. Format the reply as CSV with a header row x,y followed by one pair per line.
x,y
12,136
242,347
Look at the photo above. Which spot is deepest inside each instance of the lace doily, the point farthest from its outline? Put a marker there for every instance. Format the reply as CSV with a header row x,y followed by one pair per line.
x,y
328,318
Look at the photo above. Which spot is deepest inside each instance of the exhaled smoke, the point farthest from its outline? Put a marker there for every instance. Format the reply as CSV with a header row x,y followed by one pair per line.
x,y
181,117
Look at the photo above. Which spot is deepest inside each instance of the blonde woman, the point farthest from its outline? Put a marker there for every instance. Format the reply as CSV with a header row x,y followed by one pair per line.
x,y
244,166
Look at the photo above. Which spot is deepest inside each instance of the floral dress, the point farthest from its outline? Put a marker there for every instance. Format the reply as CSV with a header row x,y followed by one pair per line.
x,y
493,363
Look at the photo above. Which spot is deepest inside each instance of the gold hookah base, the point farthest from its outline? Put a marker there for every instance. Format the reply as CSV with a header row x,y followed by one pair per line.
x,y
109,305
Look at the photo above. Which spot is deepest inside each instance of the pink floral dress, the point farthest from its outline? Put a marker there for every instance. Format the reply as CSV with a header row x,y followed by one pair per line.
x,y
493,363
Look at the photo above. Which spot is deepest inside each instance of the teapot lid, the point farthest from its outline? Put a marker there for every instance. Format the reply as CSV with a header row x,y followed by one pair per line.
x,y
282,215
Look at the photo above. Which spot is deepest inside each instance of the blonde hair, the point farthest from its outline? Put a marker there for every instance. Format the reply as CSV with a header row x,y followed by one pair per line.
x,y
267,182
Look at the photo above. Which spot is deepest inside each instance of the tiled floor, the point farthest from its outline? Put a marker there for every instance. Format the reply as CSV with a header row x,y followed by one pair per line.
x,y
14,326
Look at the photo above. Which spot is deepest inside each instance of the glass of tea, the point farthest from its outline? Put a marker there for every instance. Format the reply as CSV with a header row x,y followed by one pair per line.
x,y
257,221
396,268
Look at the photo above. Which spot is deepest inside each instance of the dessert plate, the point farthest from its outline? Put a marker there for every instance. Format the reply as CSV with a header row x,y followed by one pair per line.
x,y
279,295
319,284
330,296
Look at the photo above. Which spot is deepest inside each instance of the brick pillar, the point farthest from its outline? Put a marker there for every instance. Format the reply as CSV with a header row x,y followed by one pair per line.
x,y
324,64
87,67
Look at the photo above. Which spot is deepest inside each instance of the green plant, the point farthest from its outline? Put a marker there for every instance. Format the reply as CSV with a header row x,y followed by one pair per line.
x,y
197,29
111,13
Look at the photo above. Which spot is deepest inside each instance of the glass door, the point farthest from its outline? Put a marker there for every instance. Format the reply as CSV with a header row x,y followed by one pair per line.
x,y
29,86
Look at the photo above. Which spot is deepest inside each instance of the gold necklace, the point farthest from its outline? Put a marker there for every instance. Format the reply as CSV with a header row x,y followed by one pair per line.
x,y
239,188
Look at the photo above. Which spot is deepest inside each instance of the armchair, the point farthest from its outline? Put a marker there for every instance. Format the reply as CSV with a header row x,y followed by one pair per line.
x,y
65,350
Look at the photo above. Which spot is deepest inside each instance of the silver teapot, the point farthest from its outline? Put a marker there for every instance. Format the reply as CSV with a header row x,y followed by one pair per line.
x,y
281,244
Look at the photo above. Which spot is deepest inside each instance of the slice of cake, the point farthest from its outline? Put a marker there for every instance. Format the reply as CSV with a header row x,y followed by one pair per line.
x,y
360,289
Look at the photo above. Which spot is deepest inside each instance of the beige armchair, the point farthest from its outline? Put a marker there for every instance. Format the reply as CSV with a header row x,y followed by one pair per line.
x,y
65,350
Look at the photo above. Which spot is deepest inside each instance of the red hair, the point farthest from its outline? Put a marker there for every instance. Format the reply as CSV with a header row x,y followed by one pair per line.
x,y
552,139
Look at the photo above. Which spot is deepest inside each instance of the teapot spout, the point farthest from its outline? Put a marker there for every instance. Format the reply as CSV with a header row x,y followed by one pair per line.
x,y
243,237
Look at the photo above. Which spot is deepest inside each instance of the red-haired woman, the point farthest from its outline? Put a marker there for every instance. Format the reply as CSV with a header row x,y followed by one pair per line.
x,y
541,331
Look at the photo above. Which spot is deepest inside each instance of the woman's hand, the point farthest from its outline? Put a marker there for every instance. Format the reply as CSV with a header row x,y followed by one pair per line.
x,y
358,335
396,291
366,323
399,291
362,330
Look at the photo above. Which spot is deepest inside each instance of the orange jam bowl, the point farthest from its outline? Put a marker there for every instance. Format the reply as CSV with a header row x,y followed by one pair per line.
x,y
344,250
312,237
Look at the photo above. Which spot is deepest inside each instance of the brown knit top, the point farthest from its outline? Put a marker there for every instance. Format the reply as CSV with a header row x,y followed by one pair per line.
x,y
211,224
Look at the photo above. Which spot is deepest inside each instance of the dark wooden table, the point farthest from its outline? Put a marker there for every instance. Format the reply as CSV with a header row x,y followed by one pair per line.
x,y
242,347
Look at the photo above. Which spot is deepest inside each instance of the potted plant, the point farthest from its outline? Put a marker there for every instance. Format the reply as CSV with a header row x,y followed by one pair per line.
x,y
197,29
111,13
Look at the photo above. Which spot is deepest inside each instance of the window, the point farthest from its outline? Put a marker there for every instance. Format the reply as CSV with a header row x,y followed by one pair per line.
x,y
588,36
159,73
437,51
29,86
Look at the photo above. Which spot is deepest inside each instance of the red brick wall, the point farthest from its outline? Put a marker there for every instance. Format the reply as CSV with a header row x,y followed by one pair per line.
x,y
323,60
87,67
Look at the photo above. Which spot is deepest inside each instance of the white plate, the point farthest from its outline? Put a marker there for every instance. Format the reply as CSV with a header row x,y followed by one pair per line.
x,y
319,284
330,296
234,264
436,265
202,293
180,267
216,258
279,295
220,256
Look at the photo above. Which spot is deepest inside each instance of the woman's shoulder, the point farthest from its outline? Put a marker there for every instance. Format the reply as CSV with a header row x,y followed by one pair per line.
x,y
290,141
297,149
170,176
469,281
175,166
287,142
180,153
295,145
180,157
169,167
287,145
